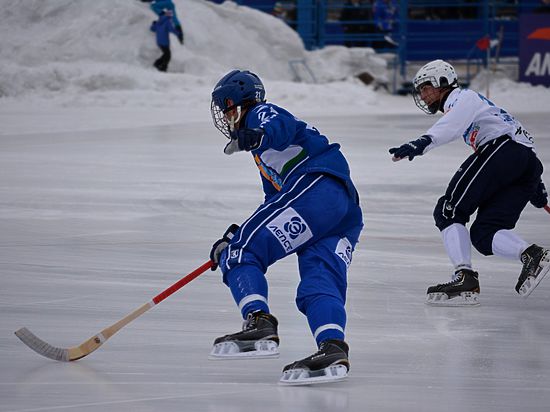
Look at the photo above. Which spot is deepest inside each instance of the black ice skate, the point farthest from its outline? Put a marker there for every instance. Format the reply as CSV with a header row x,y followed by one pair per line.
x,y
329,364
463,290
258,339
536,264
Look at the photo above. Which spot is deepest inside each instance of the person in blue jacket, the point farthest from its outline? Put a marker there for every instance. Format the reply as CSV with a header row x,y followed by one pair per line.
x,y
162,29
311,209
385,14
158,7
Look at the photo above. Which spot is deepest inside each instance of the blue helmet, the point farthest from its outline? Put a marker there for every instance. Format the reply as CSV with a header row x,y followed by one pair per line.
x,y
236,90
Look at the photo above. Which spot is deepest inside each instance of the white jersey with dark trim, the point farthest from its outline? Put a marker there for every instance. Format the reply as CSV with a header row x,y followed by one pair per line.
x,y
477,120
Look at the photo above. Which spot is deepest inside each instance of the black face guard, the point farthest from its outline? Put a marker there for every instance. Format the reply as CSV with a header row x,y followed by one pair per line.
x,y
422,105
219,119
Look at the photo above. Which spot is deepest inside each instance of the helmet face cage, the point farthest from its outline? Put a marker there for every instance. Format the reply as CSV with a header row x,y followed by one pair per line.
x,y
439,74
421,104
236,90
219,119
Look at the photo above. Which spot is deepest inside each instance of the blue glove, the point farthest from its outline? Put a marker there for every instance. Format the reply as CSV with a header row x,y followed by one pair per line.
x,y
248,139
220,244
411,149
540,197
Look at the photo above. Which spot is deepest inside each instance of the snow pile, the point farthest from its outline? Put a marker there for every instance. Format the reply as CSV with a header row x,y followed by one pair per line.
x,y
79,65
85,46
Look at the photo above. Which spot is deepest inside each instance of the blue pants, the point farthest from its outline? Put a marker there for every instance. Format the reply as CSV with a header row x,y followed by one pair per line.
x,y
315,217
497,181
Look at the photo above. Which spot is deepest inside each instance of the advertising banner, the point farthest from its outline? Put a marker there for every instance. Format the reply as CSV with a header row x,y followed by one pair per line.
x,y
534,48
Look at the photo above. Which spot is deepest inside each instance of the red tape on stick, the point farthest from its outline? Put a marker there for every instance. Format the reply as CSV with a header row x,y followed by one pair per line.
x,y
182,282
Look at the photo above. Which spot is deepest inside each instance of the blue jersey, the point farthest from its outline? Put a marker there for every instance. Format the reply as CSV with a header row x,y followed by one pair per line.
x,y
385,14
158,6
291,148
162,28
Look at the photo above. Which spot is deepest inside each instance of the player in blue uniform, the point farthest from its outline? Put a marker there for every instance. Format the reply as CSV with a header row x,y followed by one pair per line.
x,y
311,208
496,181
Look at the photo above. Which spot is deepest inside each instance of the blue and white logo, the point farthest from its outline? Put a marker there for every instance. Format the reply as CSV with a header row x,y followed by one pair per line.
x,y
344,251
295,227
290,229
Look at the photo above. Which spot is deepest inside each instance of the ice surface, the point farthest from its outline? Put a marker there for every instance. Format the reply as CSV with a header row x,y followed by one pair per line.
x,y
94,224
113,185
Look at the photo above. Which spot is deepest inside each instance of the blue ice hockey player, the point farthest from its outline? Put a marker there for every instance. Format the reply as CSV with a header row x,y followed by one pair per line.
x,y
311,209
498,180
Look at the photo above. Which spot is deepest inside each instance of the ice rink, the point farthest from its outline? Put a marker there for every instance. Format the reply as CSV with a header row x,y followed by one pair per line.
x,y
95,223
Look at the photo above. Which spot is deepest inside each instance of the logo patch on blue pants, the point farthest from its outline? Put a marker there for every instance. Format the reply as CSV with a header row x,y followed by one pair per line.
x,y
344,250
290,229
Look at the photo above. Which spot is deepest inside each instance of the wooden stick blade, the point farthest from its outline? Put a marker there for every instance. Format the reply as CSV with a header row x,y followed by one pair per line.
x,y
41,347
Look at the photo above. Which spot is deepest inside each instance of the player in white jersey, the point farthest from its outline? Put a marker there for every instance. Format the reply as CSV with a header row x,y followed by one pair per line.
x,y
486,182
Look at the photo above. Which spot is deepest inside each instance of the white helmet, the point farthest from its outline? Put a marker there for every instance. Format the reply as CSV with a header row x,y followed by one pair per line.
x,y
438,73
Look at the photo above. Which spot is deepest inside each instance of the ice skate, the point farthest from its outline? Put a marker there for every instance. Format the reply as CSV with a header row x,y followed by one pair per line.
x,y
329,364
536,264
257,340
463,290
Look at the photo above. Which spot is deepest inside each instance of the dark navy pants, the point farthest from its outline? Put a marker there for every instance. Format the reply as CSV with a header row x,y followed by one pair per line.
x,y
497,180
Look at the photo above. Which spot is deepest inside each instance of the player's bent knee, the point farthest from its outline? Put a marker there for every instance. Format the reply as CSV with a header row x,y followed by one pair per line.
x,y
446,215
482,239
442,222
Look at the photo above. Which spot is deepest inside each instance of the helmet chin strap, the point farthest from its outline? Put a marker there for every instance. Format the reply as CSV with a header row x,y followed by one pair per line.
x,y
235,119
443,98
435,106
233,145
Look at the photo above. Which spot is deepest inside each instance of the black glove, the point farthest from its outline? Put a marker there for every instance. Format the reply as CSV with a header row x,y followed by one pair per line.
x,y
179,33
244,139
221,244
248,139
540,197
411,149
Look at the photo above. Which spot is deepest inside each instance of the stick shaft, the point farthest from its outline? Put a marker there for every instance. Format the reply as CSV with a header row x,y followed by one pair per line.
x,y
93,343
547,208
182,282
114,328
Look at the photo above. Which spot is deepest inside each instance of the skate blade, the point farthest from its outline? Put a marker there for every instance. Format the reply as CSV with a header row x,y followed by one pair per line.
x,y
230,350
442,299
532,282
296,377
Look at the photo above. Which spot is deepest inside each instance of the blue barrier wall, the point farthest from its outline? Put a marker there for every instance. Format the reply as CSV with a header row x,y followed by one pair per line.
x,y
425,29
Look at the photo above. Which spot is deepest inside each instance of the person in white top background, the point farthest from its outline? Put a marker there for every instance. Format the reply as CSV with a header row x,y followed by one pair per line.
x,y
498,180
